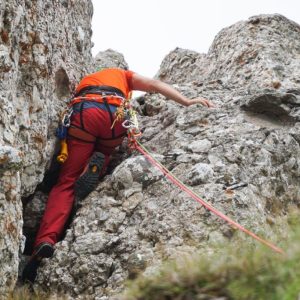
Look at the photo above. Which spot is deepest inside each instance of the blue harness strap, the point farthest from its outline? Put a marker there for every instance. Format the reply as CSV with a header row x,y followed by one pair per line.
x,y
91,104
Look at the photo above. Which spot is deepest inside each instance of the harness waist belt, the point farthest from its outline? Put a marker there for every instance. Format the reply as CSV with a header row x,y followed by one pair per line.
x,y
102,90
101,93
93,104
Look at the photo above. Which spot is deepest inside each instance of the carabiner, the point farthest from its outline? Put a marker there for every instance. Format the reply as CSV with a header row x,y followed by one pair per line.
x,y
66,119
127,124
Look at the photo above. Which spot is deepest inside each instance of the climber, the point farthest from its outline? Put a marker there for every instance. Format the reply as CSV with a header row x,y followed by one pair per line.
x,y
91,140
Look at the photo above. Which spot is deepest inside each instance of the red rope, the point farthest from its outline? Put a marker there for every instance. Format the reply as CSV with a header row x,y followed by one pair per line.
x,y
205,204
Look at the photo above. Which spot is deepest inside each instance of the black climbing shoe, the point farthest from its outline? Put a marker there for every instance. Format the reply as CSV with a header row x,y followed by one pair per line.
x,y
30,271
90,177
44,250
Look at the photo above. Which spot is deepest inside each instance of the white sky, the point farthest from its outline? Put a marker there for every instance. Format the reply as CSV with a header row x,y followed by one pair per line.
x,y
145,31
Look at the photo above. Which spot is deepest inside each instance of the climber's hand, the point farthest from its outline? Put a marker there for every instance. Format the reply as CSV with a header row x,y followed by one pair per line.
x,y
202,101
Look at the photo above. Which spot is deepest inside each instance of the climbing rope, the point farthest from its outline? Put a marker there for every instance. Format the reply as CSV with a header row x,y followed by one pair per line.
x,y
138,146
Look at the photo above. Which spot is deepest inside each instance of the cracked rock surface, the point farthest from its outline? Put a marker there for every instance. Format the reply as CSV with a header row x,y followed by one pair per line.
x,y
44,47
136,218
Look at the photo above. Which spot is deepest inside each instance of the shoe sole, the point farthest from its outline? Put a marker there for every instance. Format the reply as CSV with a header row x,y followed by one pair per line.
x,y
89,180
30,271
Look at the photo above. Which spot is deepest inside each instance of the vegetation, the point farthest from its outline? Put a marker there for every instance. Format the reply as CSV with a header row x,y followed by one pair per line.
x,y
26,293
231,273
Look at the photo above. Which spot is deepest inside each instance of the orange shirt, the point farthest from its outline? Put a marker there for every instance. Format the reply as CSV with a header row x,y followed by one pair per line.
x,y
118,78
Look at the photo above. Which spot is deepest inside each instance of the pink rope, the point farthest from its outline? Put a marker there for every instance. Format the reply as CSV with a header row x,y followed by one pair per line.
x,y
206,205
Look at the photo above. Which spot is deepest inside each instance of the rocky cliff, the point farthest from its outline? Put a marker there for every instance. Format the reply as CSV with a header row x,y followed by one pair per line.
x,y
135,218
45,46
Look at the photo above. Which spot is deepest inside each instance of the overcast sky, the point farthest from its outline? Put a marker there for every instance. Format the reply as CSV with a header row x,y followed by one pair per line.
x,y
145,31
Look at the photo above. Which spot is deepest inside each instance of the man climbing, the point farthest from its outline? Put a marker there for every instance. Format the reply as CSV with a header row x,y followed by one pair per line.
x,y
92,137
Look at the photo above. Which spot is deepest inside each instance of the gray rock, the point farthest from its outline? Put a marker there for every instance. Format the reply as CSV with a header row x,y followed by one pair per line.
x,y
182,66
136,218
200,173
44,48
201,146
109,59
259,53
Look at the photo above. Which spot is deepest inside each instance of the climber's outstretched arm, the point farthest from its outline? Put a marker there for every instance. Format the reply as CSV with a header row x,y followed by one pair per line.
x,y
145,84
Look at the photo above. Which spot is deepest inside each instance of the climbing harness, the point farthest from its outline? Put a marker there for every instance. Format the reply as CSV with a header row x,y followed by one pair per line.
x,y
139,147
124,113
101,94
106,96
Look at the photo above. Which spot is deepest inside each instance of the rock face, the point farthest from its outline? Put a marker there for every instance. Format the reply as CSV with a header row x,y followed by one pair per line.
x,y
109,59
260,53
45,46
136,218
182,66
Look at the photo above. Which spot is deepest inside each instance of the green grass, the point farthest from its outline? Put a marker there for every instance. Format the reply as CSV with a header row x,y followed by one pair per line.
x,y
231,273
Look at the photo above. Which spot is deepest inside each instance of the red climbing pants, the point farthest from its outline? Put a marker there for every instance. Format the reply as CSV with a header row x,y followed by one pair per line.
x,y
59,205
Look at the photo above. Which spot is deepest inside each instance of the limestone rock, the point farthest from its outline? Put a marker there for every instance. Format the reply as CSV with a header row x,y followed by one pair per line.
x,y
200,173
109,59
43,49
260,53
182,66
136,218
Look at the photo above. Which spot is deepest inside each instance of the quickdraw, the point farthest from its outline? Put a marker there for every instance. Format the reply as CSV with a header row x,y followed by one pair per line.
x,y
61,133
66,118
126,113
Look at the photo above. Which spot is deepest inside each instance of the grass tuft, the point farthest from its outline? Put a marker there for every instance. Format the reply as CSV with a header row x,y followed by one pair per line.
x,y
235,274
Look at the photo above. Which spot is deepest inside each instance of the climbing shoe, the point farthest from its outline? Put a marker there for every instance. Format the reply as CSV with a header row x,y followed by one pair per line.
x,y
44,250
90,176
30,271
